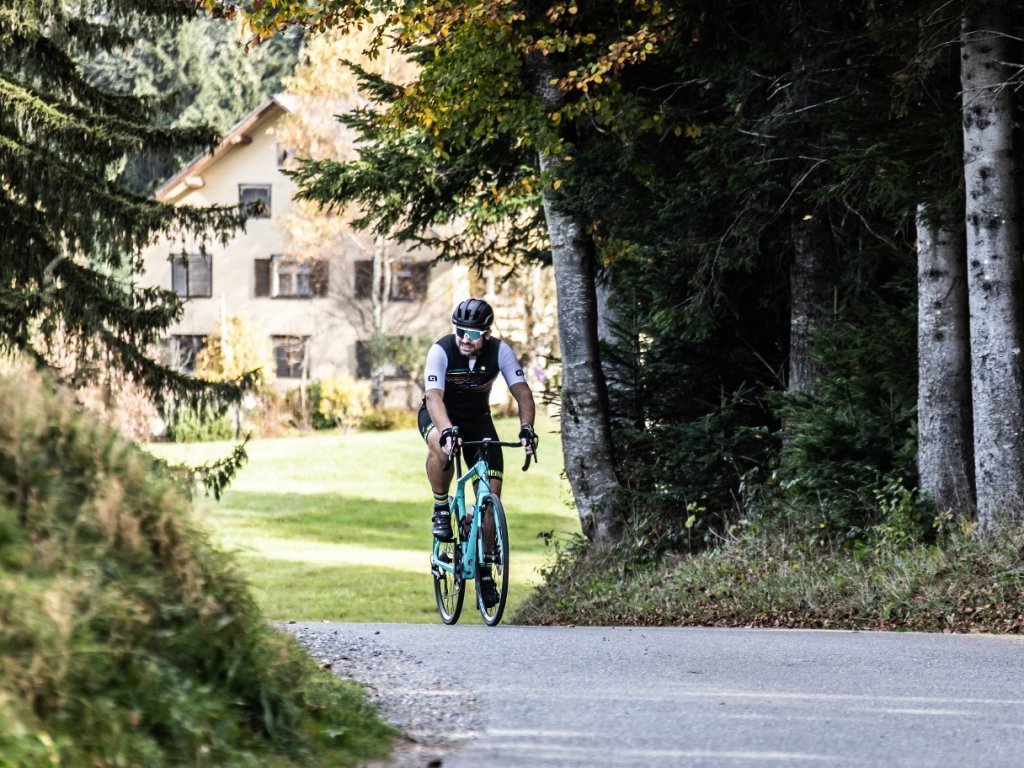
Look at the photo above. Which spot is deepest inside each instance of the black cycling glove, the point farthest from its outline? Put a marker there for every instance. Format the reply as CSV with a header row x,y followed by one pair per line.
x,y
448,433
527,433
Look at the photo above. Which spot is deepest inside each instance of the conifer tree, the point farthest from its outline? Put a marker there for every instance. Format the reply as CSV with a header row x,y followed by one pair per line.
x,y
204,76
70,236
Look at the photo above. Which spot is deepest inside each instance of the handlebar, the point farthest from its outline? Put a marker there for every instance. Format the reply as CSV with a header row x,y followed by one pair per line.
x,y
485,442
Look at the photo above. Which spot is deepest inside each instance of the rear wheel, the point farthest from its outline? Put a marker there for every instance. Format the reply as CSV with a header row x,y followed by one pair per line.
x,y
493,546
449,588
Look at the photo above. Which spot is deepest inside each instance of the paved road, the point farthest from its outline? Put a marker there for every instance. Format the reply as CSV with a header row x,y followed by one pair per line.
x,y
622,697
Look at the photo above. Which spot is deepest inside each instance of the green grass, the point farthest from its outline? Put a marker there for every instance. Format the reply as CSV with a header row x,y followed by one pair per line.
x,y
127,639
336,526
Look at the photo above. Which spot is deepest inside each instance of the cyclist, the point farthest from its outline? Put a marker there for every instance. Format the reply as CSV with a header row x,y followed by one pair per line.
x,y
459,373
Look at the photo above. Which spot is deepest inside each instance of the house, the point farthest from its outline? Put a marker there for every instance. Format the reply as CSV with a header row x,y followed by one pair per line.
x,y
309,291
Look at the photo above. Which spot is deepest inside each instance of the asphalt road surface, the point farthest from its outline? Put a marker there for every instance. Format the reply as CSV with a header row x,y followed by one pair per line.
x,y
625,697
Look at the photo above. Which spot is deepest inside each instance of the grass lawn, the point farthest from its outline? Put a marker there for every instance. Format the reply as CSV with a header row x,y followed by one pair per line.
x,y
336,526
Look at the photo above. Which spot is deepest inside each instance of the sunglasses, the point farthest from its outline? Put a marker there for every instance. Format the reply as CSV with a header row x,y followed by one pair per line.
x,y
469,333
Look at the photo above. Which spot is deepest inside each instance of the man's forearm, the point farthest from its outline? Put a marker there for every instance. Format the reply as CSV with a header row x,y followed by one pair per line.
x,y
527,407
438,413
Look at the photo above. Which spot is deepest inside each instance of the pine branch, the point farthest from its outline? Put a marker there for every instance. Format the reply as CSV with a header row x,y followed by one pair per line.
x,y
71,233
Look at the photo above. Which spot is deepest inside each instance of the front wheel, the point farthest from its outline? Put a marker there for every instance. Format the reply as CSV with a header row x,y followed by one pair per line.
x,y
492,554
449,587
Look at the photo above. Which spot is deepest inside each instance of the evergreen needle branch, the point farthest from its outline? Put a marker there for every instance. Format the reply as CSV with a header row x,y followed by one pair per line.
x,y
799,183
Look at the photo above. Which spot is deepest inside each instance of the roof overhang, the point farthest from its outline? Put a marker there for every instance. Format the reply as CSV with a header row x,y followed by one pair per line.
x,y
191,176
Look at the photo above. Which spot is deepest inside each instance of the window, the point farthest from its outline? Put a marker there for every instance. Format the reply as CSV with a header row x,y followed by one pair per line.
x,y
256,199
291,354
409,280
285,277
389,369
192,274
183,352
294,278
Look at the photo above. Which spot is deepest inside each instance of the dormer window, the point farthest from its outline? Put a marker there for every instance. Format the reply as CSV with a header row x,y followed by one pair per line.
x,y
255,198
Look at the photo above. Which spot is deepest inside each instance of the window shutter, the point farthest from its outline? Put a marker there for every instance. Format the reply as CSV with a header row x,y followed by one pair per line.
x,y
179,275
262,275
421,278
320,276
281,362
200,274
363,367
364,278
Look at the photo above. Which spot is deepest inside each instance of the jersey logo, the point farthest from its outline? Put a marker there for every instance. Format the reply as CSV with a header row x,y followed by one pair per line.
x,y
431,377
519,372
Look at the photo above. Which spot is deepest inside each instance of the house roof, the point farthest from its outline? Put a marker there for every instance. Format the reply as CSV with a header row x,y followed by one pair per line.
x,y
190,177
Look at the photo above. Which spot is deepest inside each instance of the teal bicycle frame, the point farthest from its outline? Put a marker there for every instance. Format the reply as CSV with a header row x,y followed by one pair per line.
x,y
454,563
469,535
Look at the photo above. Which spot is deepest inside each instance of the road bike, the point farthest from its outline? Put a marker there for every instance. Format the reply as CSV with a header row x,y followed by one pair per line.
x,y
481,538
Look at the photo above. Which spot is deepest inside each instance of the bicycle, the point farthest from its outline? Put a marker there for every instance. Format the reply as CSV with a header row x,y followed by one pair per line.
x,y
466,557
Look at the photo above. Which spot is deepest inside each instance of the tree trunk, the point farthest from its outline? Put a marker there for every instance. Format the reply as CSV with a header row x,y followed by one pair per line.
x,y
586,436
943,353
586,433
809,282
620,355
994,264
379,296
811,268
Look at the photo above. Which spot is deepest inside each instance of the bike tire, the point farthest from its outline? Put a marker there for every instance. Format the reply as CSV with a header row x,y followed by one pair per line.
x,y
498,565
449,587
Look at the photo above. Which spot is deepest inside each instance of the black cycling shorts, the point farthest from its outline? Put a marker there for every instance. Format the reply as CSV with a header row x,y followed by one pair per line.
x,y
471,429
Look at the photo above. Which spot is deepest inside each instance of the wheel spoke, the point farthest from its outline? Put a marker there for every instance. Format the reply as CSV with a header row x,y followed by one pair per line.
x,y
449,588
494,562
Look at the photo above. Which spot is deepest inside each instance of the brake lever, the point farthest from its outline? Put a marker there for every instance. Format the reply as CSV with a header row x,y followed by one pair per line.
x,y
454,448
530,457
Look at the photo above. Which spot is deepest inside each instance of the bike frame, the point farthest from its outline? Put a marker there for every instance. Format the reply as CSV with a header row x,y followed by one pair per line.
x,y
453,564
466,564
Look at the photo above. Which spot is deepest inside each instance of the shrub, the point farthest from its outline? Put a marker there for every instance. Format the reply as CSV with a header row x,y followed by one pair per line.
x,y
847,442
236,348
189,425
339,402
270,415
127,638
388,418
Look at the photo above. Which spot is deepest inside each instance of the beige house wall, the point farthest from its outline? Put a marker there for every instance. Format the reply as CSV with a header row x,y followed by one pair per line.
x,y
333,323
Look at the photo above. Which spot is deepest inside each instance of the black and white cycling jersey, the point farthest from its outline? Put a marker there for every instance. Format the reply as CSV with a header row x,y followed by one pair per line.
x,y
467,382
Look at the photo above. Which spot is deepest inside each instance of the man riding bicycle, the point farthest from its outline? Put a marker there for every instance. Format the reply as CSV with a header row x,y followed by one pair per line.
x,y
460,371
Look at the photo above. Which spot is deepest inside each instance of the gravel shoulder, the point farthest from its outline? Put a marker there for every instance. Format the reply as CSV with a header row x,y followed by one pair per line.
x,y
409,696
